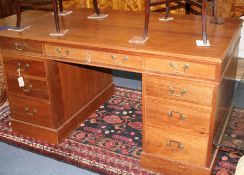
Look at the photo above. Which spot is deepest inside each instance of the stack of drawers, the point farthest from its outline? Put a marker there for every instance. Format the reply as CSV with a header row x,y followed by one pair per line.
x,y
30,104
178,110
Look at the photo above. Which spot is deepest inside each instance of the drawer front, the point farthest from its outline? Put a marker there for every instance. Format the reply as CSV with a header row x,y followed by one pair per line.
x,y
178,117
26,64
32,88
31,111
171,66
94,57
176,146
19,45
180,90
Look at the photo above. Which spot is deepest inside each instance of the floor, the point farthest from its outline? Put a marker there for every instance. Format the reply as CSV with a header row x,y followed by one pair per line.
x,y
15,161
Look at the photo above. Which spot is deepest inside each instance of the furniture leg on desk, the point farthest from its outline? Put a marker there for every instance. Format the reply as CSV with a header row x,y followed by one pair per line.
x,y
216,19
204,22
97,14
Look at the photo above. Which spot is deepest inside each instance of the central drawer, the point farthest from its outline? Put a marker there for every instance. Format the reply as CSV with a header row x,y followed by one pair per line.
x,y
175,146
179,90
85,56
31,111
178,117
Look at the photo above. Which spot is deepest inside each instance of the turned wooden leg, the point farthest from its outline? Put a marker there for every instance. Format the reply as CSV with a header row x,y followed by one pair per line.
x,y
18,13
204,21
56,19
147,14
96,7
60,3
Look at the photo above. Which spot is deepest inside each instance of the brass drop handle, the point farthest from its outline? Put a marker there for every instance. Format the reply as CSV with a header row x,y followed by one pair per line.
x,y
59,51
20,46
117,61
26,66
177,67
66,52
28,88
181,115
28,112
179,145
88,59
173,93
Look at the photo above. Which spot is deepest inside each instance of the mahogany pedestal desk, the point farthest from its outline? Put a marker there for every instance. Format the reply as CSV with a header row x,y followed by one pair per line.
x,y
186,89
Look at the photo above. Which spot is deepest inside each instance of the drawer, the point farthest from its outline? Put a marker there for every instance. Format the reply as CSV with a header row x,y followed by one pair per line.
x,y
28,65
31,111
94,57
178,117
172,66
175,146
180,90
32,88
19,45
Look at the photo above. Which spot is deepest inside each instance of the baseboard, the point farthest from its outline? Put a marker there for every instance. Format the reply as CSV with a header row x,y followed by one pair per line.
x,y
171,167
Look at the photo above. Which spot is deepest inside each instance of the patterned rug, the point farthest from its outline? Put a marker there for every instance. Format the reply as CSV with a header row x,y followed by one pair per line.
x,y
108,142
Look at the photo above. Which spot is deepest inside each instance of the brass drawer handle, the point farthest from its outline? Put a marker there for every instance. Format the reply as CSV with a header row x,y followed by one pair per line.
x,y
87,59
181,116
28,112
173,93
26,66
179,145
60,52
177,67
20,46
119,61
28,88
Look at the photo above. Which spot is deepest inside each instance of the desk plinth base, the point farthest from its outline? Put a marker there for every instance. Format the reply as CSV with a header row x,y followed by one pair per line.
x,y
171,167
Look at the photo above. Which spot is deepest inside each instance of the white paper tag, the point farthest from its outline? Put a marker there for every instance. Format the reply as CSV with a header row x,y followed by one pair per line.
x,y
21,82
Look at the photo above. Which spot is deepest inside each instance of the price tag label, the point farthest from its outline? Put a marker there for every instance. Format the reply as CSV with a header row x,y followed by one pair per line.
x,y
21,82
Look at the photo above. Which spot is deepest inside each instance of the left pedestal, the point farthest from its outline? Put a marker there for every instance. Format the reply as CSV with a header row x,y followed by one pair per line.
x,y
56,97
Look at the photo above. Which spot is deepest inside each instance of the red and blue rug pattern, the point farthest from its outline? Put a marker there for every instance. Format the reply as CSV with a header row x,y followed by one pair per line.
x,y
108,142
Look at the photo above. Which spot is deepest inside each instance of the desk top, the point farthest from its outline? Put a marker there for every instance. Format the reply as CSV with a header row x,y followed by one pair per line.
x,y
173,38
